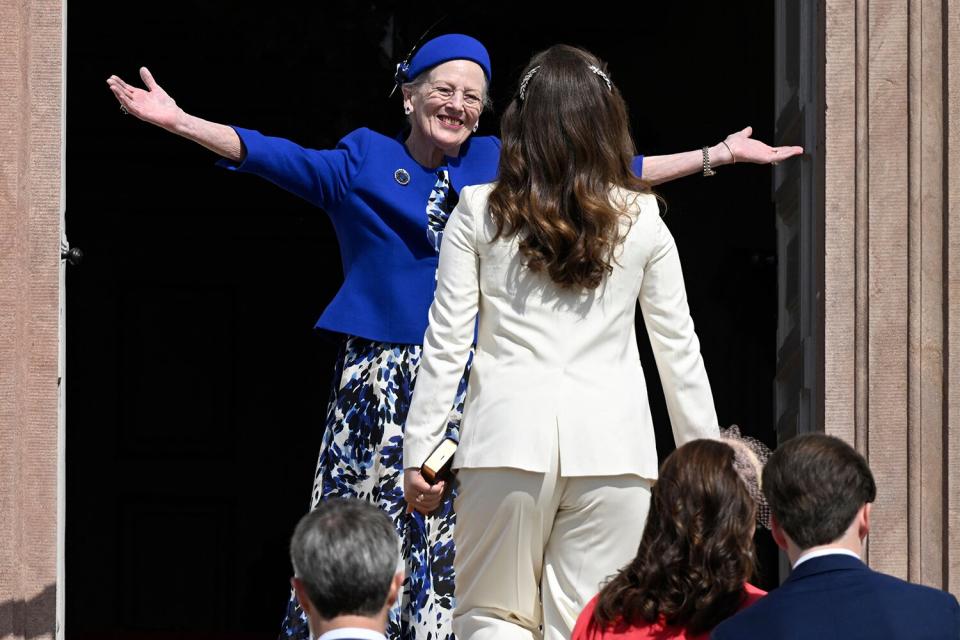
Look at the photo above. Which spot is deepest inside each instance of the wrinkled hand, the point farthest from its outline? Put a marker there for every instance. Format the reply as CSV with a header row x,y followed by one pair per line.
x,y
152,105
420,494
746,149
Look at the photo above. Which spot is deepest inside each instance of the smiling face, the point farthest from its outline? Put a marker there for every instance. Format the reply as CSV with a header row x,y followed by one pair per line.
x,y
445,106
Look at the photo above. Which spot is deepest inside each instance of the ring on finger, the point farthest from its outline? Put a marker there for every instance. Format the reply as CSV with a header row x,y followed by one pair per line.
x,y
123,110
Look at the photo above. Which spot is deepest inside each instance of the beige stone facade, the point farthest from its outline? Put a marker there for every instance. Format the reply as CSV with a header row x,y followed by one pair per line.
x,y
31,161
892,284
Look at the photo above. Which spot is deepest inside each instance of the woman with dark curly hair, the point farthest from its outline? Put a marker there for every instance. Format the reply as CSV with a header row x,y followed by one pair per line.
x,y
695,557
557,448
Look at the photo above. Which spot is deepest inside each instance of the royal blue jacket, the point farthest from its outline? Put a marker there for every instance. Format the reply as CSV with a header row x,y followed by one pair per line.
x,y
837,597
389,263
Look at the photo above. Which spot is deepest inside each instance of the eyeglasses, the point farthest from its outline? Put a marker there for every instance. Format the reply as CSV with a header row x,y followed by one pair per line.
x,y
445,92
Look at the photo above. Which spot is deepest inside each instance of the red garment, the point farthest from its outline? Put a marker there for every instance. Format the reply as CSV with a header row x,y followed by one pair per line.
x,y
650,630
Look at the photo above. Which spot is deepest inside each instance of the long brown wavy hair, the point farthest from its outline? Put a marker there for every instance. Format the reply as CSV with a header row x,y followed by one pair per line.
x,y
697,547
566,143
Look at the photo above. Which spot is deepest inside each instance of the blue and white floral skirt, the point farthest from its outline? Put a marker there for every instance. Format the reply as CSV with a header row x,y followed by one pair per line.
x,y
362,457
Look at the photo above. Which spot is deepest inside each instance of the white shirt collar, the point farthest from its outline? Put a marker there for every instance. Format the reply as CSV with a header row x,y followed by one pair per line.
x,y
819,553
352,632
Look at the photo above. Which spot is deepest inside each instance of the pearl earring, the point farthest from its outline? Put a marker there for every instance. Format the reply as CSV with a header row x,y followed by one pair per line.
x,y
408,109
476,126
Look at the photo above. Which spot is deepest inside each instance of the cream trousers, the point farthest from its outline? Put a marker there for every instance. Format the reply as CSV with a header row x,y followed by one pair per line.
x,y
523,538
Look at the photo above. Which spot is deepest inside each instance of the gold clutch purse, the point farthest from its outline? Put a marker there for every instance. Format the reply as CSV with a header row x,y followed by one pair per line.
x,y
438,463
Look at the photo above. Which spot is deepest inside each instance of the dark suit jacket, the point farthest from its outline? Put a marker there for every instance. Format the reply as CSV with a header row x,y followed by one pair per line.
x,y
837,597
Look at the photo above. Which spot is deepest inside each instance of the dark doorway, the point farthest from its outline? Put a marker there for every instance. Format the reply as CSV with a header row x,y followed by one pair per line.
x,y
196,384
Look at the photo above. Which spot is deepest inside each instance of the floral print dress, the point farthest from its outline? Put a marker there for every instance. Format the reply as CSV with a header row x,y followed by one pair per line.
x,y
362,457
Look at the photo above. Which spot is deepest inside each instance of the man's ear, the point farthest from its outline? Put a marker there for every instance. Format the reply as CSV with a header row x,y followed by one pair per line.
x,y
302,597
395,585
864,516
779,536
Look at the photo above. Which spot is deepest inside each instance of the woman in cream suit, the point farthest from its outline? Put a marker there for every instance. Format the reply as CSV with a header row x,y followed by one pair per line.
x,y
557,447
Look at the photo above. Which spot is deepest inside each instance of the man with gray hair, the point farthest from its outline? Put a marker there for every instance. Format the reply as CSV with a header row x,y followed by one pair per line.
x,y
345,556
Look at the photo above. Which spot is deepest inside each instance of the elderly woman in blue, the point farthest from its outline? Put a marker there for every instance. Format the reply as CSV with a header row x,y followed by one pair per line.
x,y
389,199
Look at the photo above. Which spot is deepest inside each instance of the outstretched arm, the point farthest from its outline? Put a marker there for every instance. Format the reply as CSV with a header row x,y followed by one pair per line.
x,y
737,147
154,105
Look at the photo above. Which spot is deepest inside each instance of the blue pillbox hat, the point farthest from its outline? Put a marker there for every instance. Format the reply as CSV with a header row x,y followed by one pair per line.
x,y
451,46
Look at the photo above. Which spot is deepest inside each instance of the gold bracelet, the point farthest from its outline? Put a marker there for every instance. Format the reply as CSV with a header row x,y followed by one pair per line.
x,y
707,171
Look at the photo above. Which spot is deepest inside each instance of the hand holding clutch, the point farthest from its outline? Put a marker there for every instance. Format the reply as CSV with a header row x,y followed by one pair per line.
x,y
419,493
423,489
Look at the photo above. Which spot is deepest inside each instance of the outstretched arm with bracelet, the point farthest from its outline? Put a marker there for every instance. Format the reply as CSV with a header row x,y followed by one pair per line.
x,y
737,147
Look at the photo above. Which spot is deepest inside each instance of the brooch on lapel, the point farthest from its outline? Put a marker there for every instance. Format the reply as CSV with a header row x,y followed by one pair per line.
x,y
402,177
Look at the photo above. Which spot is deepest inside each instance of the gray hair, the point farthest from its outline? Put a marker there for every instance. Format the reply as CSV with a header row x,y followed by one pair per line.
x,y
346,553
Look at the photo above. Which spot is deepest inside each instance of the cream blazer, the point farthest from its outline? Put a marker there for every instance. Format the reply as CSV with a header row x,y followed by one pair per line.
x,y
553,361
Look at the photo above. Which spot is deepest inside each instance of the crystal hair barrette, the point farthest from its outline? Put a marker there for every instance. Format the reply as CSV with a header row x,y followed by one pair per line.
x,y
594,68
